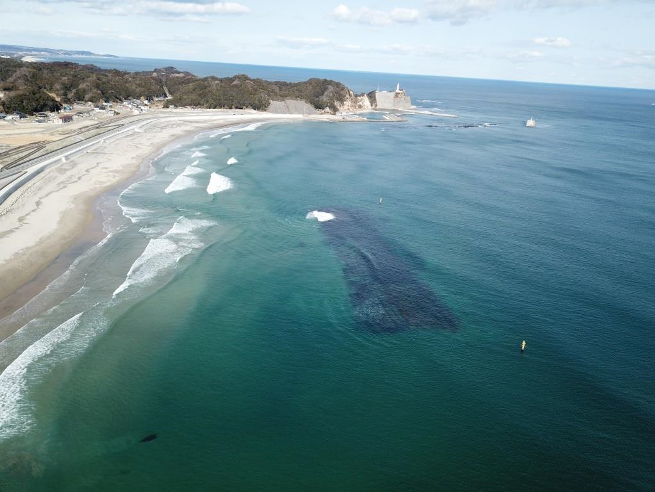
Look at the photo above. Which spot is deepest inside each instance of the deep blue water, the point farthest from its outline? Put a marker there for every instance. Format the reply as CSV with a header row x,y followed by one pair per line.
x,y
378,350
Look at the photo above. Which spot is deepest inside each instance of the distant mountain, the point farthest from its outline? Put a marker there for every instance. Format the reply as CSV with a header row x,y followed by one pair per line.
x,y
13,51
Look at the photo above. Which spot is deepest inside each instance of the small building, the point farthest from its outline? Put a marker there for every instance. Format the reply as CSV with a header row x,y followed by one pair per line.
x,y
66,118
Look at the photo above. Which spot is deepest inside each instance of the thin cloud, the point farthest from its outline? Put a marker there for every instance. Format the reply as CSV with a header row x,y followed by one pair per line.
x,y
558,42
99,34
374,17
193,8
523,56
193,11
637,58
302,43
422,51
459,12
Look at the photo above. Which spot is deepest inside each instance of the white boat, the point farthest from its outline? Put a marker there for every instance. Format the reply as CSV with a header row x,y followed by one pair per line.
x,y
531,123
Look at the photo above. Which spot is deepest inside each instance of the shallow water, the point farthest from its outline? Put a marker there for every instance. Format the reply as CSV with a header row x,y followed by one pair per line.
x,y
378,350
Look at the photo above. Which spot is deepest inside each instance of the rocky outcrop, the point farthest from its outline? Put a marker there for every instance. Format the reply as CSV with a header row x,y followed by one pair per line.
x,y
354,102
397,99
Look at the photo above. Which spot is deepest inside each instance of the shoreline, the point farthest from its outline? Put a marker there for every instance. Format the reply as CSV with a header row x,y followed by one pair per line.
x,y
78,223
89,236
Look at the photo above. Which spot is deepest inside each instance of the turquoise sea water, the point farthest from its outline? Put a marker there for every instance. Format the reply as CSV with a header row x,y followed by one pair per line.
x,y
376,351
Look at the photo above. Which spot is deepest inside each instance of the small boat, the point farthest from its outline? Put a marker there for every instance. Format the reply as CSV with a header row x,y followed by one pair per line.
x,y
531,123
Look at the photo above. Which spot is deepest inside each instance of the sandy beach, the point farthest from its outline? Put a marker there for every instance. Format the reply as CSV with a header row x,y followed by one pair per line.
x,y
48,213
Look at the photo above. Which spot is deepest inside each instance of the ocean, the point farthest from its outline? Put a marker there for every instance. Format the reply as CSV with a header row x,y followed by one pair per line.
x,y
221,337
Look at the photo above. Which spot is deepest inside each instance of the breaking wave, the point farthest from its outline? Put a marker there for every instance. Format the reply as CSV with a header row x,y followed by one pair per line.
x,y
232,160
164,252
218,183
184,180
135,214
320,216
15,411
251,127
232,129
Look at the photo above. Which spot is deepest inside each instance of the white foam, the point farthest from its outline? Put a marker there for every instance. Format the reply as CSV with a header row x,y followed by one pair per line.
x,y
180,183
164,252
135,214
221,132
40,300
198,154
15,412
232,160
251,127
218,183
432,113
184,179
233,129
320,216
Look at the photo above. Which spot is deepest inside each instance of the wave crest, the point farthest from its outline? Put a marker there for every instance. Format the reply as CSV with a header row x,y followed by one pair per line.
x,y
183,180
164,252
218,183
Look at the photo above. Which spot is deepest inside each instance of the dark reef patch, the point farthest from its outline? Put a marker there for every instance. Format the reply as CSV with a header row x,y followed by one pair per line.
x,y
386,295
149,437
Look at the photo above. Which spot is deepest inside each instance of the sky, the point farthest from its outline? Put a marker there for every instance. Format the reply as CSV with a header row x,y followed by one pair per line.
x,y
590,42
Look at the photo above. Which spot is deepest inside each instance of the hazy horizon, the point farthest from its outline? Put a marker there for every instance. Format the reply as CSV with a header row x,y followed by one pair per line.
x,y
580,42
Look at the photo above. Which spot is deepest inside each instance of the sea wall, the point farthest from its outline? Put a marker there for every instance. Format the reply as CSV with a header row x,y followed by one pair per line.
x,y
291,106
